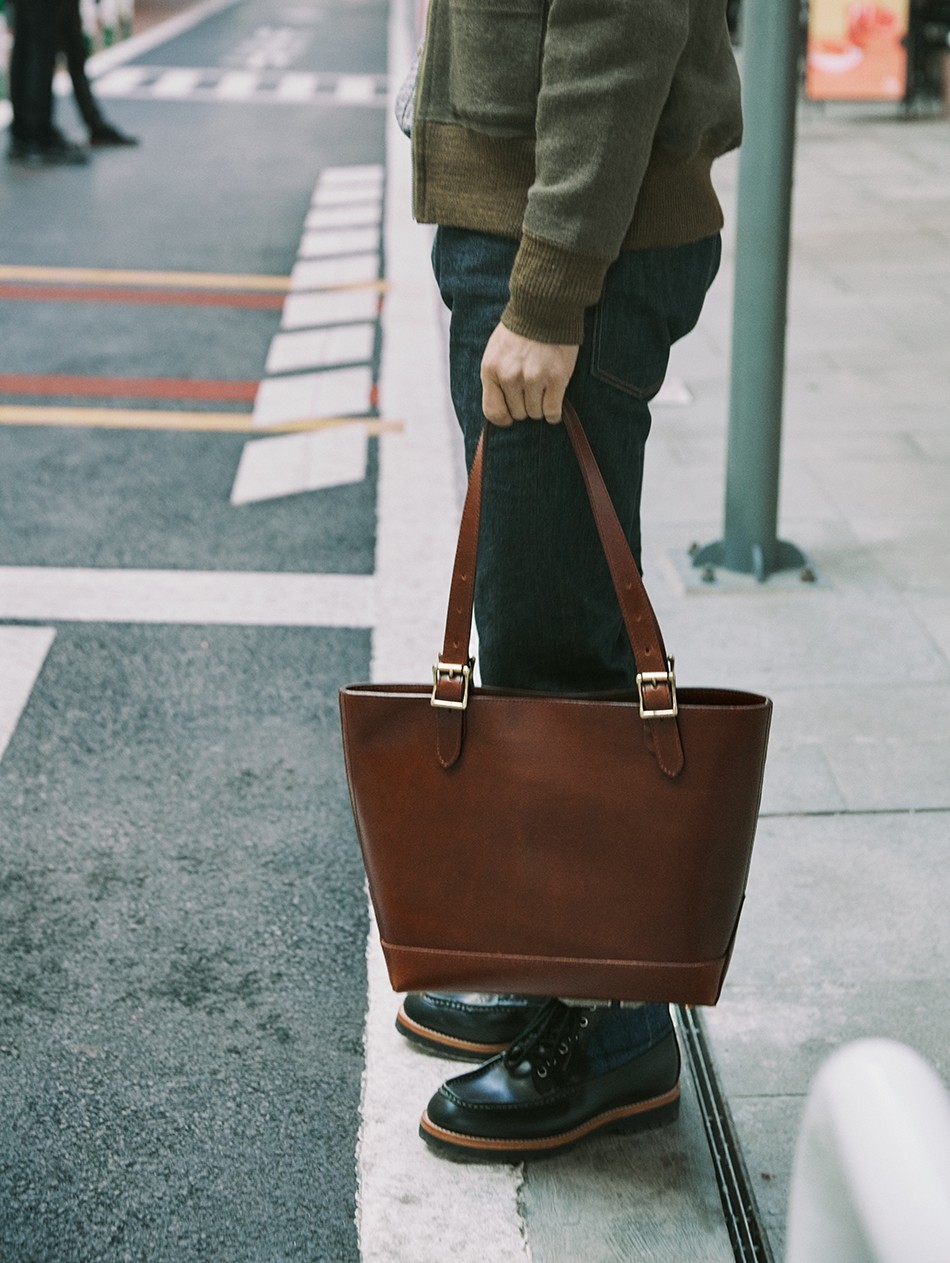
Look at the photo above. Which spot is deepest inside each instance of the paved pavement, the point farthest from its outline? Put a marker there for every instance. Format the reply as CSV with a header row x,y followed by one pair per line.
x,y
182,970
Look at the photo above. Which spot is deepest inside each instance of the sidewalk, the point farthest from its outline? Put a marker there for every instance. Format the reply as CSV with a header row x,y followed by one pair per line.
x,y
845,932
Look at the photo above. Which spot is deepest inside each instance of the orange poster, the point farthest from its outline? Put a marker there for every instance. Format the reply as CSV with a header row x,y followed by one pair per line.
x,y
856,52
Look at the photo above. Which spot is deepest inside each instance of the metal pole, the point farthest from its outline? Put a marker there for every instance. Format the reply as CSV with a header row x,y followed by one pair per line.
x,y
770,91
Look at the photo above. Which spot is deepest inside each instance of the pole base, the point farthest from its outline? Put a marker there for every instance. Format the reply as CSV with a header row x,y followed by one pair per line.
x,y
760,560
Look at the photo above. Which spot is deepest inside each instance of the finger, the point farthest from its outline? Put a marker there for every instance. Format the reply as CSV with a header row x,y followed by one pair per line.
x,y
553,405
534,400
517,407
494,404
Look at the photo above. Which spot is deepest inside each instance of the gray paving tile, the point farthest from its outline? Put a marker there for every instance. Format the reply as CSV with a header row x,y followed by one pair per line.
x,y
650,1196
850,899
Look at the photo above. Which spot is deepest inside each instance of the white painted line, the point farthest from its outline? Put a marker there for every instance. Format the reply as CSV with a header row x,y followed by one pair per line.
x,y
342,194
412,1206
316,348
355,89
321,244
309,396
371,173
674,393
118,82
236,598
237,85
175,83
357,214
293,463
23,651
303,311
161,33
349,270
296,86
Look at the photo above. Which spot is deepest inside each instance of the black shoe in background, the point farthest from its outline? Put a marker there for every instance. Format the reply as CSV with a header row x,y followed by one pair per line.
x,y
53,151
106,135
466,1026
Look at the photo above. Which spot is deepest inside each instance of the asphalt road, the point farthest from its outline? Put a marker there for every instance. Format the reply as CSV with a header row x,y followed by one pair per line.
x,y
182,913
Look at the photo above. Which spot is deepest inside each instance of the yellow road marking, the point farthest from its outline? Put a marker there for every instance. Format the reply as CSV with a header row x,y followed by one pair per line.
x,y
173,280
195,422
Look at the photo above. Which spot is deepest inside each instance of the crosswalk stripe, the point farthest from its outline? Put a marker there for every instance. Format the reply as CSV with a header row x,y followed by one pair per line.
x,y
258,83
195,597
175,83
23,651
321,243
318,348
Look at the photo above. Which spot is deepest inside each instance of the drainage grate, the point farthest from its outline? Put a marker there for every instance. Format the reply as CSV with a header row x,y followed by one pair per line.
x,y
749,1242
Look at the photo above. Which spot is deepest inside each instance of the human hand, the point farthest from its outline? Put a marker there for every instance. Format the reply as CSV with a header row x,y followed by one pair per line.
x,y
522,378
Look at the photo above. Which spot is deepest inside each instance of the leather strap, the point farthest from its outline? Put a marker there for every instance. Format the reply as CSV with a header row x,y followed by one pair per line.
x,y
639,618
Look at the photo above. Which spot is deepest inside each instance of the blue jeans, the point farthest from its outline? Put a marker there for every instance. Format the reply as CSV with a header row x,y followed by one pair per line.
x,y
546,611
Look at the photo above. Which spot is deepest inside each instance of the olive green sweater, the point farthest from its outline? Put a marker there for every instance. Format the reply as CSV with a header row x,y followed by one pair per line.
x,y
581,128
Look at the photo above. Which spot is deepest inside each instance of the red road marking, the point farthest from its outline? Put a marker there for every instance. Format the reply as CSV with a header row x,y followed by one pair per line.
x,y
128,387
158,297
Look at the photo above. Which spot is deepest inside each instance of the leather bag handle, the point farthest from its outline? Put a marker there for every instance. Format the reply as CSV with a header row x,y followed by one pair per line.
x,y
656,682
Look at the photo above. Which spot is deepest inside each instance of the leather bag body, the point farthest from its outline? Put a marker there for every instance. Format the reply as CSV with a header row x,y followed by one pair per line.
x,y
594,847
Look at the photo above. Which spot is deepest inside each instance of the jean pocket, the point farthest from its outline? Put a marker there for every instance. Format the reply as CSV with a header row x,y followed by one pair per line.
x,y
651,299
630,347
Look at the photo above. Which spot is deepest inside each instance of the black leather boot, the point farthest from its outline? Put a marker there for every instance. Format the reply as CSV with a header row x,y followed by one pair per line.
x,y
465,1026
553,1088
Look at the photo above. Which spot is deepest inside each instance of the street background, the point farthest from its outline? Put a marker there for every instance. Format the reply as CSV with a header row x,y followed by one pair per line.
x,y
197,1058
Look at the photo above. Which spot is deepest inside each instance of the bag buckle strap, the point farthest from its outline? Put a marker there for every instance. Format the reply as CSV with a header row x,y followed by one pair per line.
x,y
653,679
451,671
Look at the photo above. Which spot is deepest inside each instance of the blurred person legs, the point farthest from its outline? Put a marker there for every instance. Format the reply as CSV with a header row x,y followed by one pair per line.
x,y
72,41
34,139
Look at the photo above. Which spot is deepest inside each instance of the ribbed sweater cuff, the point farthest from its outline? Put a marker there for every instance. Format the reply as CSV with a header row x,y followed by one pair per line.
x,y
550,288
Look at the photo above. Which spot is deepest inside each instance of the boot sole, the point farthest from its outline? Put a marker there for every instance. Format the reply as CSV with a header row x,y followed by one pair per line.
x,y
442,1045
660,1111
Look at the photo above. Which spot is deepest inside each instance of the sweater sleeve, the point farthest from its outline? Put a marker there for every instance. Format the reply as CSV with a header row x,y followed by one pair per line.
x,y
606,72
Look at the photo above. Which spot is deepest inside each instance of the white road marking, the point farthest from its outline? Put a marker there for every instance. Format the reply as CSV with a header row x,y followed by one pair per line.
x,y
23,651
293,463
368,173
314,348
238,598
175,84
306,396
343,194
320,243
218,84
358,214
237,85
305,310
413,1205
297,85
270,47
356,89
121,81
161,33
349,270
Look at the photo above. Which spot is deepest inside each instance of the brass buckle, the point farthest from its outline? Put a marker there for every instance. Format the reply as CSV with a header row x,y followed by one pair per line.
x,y
658,677
451,671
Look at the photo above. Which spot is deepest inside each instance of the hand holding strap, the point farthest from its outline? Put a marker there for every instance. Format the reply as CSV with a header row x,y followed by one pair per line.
x,y
655,680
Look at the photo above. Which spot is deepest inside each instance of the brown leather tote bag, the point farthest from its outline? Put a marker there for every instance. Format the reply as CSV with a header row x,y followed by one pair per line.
x,y
594,847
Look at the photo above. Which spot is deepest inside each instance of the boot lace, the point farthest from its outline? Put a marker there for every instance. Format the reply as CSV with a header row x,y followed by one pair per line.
x,y
549,1043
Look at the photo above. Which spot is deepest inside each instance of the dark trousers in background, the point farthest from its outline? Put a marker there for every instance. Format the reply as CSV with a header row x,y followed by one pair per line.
x,y
32,61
